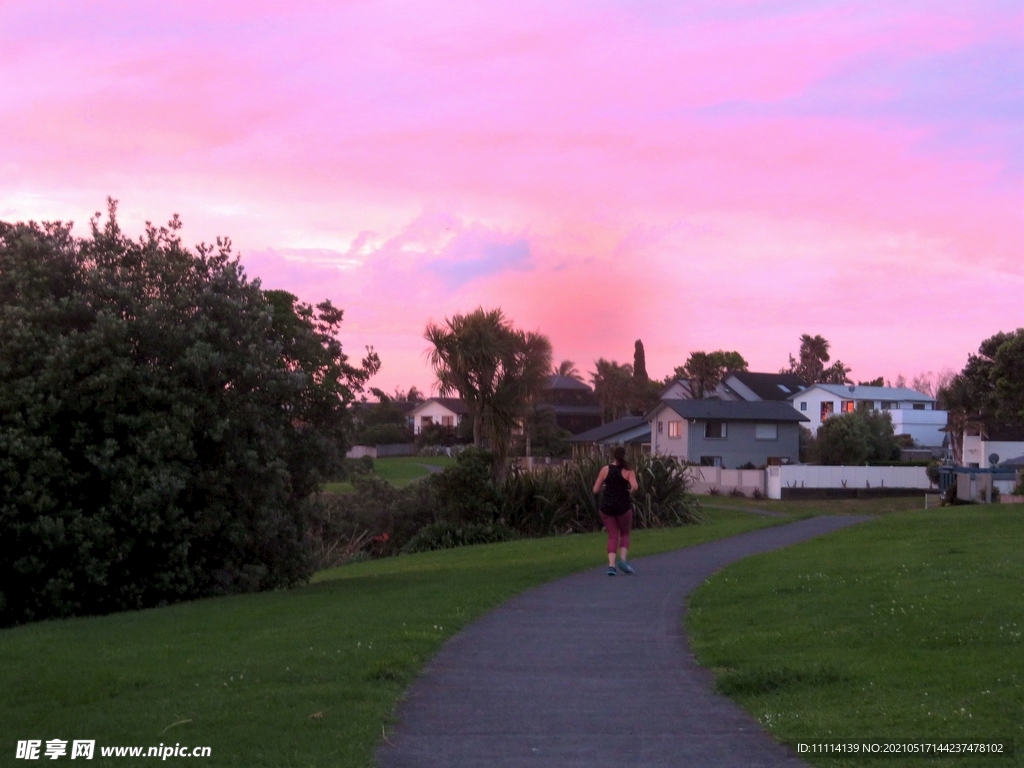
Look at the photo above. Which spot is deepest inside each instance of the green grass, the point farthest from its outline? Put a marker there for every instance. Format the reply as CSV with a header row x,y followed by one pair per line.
x,y
245,675
398,470
809,507
910,626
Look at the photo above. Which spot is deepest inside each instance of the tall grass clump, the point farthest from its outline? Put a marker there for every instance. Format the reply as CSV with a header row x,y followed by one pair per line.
x,y
464,504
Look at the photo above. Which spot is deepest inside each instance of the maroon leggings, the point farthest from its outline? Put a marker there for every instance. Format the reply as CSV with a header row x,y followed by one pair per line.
x,y
618,530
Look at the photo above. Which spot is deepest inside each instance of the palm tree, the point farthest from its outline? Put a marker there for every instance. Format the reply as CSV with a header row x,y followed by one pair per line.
x,y
496,370
567,368
613,387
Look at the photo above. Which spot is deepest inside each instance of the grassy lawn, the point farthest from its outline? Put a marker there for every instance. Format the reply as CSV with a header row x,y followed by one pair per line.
x,y
398,470
800,508
910,626
307,677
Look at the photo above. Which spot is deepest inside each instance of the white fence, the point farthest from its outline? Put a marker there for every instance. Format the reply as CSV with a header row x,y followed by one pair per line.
x,y
705,479
772,481
804,476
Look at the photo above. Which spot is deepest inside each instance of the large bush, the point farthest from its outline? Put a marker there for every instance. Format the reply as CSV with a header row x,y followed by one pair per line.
x,y
856,438
163,422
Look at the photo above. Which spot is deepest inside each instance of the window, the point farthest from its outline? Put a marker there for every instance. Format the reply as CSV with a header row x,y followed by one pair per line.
x,y
766,431
675,429
711,461
447,421
889,405
803,405
661,427
918,406
426,421
847,406
865,405
714,430
827,409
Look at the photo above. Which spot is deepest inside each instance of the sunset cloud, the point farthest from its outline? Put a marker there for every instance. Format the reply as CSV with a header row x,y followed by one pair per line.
x,y
715,174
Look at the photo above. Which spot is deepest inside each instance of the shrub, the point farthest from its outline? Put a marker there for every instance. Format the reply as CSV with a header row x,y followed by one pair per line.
x,y
737,493
757,494
445,535
164,422
466,492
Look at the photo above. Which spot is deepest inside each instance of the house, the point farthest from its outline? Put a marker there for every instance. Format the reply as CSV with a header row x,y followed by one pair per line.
x,y
629,430
573,403
445,411
981,441
723,433
913,413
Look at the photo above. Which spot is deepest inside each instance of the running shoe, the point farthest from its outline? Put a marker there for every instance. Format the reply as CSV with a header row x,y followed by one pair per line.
x,y
611,570
625,567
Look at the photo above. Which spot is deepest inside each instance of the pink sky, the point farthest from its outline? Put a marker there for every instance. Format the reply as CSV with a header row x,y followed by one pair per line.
x,y
707,175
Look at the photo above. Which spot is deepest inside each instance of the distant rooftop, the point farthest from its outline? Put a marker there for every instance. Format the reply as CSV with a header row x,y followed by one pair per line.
x,y
856,392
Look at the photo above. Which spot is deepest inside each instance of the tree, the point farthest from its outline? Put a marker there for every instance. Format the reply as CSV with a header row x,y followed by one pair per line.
x,y
163,421
990,388
639,361
496,370
613,387
854,438
706,370
811,365
567,368
879,382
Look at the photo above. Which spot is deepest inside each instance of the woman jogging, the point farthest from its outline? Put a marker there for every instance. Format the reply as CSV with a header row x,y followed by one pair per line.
x,y
616,507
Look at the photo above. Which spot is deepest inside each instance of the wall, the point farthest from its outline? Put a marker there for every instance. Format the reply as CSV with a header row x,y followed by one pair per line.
x,y
740,446
807,476
660,441
726,480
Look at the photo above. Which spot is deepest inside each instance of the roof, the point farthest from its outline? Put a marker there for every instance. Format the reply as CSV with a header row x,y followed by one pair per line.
x,y
735,410
453,404
566,382
611,429
852,392
1017,461
769,386
565,410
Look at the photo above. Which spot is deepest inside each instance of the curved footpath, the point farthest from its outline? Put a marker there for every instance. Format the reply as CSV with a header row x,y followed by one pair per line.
x,y
590,671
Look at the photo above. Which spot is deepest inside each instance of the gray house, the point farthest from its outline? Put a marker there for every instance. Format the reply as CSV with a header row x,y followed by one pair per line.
x,y
723,433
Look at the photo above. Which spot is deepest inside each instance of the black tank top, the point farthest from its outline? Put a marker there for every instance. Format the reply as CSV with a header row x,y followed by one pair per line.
x,y
616,500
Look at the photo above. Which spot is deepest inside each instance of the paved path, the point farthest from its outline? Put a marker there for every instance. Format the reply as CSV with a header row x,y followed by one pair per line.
x,y
590,671
751,510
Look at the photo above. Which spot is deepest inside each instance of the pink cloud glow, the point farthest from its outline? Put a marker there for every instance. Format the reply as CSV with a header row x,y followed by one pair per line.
x,y
721,175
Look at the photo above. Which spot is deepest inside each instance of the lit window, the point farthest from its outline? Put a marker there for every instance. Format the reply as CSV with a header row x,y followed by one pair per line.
x,y
847,406
766,431
675,429
827,409
714,430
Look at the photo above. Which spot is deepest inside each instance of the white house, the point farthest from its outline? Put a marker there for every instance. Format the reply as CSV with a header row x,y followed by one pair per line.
x,y
913,413
445,411
981,442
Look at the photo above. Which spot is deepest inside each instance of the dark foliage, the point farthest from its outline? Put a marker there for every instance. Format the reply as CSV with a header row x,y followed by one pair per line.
x,y
448,535
163,422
